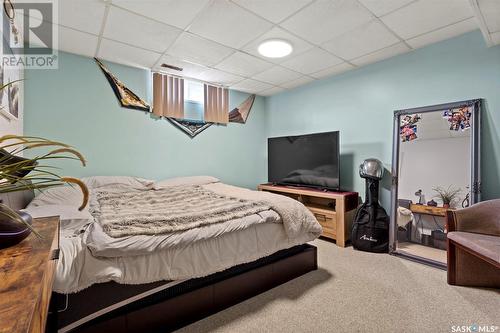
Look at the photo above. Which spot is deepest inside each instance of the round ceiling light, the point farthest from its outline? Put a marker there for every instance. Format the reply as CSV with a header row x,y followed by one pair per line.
x,y
275,48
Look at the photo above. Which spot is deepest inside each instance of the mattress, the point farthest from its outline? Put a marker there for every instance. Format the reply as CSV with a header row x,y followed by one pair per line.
x,y
89,256
78,268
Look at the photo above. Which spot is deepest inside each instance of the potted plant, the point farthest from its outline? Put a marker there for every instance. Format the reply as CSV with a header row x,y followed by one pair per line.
x,y
19,174
447,195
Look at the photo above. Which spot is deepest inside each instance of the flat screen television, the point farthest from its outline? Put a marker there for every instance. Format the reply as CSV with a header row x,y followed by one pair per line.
x,y
310,160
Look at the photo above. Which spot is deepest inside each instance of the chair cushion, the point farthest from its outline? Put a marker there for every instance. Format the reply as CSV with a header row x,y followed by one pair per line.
x,y
486,245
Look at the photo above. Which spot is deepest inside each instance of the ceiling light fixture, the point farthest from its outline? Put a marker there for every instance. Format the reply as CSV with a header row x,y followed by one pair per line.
x,y
275,48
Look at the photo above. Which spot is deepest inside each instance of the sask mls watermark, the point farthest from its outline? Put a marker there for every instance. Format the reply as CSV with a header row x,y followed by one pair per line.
x,y
30,34
474,328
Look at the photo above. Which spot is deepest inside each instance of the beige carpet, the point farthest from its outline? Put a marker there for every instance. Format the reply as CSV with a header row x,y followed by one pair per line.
x,y
359,292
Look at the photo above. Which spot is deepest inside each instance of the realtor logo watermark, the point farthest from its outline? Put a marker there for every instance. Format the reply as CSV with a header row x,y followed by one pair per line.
x,y
474,328
30,34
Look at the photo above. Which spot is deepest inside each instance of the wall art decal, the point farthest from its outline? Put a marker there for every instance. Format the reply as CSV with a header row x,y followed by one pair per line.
x,y
240,113
408,127
129,99
10,82
124,95
190,127
459,119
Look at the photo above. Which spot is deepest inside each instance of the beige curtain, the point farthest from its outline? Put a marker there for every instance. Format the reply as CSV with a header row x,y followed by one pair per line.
x,y
168,96
216,104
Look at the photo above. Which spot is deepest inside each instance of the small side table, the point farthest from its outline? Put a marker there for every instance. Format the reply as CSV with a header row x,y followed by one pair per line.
x,y
26,277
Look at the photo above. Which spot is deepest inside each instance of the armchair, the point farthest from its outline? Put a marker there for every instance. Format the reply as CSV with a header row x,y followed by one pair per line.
x,y
474,245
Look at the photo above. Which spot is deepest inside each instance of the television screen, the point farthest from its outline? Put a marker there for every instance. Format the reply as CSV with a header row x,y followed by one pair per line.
x,y
305,160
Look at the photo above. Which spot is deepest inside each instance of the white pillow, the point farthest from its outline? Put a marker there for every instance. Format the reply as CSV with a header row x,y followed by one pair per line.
x,y
60,195
194,180
118,181
72,195
71,218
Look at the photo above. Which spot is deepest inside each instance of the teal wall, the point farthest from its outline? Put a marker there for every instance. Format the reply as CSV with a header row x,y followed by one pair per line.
x,y
360,104
75,104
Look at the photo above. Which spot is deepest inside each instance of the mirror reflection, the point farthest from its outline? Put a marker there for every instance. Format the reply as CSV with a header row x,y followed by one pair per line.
x,y
434,175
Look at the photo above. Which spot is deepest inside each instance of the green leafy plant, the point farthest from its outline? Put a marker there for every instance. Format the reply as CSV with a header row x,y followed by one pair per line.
x,y
19,173
447,195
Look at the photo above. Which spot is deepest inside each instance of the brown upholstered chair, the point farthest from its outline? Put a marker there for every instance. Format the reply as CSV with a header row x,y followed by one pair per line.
x,y
474,245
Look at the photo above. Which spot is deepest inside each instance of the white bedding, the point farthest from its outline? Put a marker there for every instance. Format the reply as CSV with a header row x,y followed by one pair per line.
x,y
88,255
78,268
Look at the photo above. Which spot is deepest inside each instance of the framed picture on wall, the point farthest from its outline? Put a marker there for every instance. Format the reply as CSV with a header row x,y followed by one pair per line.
x,y
10,95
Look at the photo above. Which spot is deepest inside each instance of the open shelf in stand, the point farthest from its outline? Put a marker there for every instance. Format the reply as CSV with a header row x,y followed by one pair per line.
x,y
333,210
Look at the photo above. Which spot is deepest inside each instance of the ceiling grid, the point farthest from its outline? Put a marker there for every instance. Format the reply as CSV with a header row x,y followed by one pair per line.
x,y
216,40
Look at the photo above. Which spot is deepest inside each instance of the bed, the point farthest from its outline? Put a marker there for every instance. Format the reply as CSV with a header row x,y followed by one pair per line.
x,y
122,268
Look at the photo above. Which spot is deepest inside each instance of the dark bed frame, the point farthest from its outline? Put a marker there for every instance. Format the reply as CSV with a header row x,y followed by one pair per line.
x,y
174,306
184,303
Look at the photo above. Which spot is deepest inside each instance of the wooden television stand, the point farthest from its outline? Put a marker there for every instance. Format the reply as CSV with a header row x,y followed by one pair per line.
x,y
333,210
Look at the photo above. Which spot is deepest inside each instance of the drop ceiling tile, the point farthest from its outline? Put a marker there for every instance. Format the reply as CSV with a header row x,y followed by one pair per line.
x,y
189,69
84,15
312,61
490,9
77,42
219,77
199,50
297,82
369,37
334,70
426,15
382,7
229,24
251,86
126,27
443,33
126,54
271,91
243,64
277,75
173,12
326,19
379,55
275,10
299,45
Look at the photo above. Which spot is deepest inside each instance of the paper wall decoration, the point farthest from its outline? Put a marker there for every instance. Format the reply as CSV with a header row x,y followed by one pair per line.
x,y
190,127
240,114
124,95
10,81
459,119
408,127
129,99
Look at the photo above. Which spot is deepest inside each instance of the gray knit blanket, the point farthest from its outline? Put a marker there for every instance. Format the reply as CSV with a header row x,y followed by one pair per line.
x,y
173,209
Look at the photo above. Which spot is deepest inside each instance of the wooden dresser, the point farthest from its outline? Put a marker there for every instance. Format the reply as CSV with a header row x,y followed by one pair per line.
x,y
428,210
26,276
333,210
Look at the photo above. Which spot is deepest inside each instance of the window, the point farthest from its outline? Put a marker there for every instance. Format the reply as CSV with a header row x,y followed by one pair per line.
x,y
193,91
194,99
